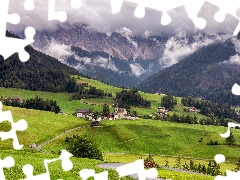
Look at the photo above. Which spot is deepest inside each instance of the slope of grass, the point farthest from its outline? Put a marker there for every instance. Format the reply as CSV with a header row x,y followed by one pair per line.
x,y
41,125
62,99
124,136
99,85
155,137
56,172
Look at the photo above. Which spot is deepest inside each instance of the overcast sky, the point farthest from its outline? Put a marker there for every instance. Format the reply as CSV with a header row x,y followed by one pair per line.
x,y
97,14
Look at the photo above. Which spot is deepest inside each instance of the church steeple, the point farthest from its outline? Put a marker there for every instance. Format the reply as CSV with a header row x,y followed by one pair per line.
x,y
116,106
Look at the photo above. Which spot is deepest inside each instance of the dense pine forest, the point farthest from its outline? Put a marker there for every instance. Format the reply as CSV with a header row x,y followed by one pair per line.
x,y
37,103
131,97
202,74
41,72
91,92
209,108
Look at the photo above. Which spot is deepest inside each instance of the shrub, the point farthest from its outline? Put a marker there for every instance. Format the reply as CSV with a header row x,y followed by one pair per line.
x,y
211,142
230,140
149,162
83,147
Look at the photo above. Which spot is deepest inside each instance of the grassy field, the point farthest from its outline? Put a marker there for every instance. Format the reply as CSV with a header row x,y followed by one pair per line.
x,y
95,104
156,137
62,99
99,85
121,140
36,160
41,125
122,136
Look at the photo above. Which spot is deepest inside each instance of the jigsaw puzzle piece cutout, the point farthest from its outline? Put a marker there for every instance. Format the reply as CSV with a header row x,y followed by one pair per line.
x,y
192,8
75,4
6,18
116,6
66,166
29,5
53,15
28,171
137,167
236,89
87,173
21,125
65,158
9,46
238,12
208,12
139,12
219,158
180,18
230,125
225,7
8,162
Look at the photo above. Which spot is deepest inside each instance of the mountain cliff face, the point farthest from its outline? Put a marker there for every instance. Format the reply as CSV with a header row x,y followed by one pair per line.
x,y
118,58
118,44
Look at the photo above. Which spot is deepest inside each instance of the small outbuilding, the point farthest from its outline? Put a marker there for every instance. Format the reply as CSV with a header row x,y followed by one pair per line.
x,y
82,113
95,124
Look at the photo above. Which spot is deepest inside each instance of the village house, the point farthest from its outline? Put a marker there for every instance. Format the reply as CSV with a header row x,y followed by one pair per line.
x,y
12,99
162,109
192,109
118,113
95,124
82,113
162,112
122,113
83,84
112,116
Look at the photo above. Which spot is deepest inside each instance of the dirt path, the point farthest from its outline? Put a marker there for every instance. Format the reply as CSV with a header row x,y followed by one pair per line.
x,y
115,165
56,137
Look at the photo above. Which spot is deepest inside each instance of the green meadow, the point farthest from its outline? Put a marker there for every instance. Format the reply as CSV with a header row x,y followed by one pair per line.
x,y
122,141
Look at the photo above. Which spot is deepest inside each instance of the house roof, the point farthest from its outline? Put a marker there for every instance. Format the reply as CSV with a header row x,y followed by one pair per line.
x,y
95,123
121,110
114,113
82,111
15,98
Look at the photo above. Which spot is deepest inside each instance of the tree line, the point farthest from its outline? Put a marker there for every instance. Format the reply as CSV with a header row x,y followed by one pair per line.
x,y
37,103
131,97
40,73
212,120
91,92
210,108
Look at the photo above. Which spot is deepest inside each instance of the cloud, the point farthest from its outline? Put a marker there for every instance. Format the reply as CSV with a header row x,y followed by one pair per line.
x,y
104,63
58,51
137,70
97,14
127,33
233,60
180,46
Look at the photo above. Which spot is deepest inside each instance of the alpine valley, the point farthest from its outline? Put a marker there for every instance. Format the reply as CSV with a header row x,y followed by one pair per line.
x,y
182,64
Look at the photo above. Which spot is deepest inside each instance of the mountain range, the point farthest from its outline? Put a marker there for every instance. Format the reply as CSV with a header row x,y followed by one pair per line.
x,y
208,73
184,64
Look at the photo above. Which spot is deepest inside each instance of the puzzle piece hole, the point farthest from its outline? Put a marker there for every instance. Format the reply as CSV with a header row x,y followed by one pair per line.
x,y
5,126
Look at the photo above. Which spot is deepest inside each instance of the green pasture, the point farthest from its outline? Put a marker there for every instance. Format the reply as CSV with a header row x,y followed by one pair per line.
x,y
99,85
36,159
134,138
155,137
42,125
62,99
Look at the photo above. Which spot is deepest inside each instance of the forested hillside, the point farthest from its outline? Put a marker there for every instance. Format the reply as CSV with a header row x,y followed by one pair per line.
x,y
202,74
41,72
